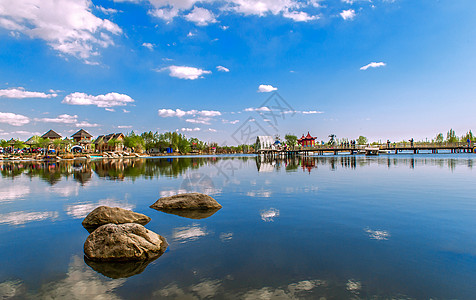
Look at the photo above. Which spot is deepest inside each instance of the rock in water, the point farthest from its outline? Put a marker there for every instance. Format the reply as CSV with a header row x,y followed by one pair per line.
x,y
124,242
115,215
186,201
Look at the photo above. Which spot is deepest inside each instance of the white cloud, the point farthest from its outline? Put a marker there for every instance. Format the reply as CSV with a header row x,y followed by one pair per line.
x,y
190,129
107,11
199,120
263,7
190,34
166,14
348,14
86,124
263,108
148,46
125,111
266,88
62,119
230,122
184,72
21,93
201,16
223,27
13,119
212,130
222,69
124,126
373,65
68,26
165,113
310,112
107,101
299,16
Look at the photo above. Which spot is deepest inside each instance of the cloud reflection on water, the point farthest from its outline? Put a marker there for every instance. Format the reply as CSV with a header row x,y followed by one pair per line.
x,y
23,217
269,215
13,192
81,210
189,233
381,235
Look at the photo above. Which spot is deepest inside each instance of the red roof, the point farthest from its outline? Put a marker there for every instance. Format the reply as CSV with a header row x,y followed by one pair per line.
x,y
307,137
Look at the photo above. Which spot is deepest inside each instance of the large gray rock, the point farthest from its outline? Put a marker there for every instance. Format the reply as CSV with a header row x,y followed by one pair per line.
x,y
124,242
186,201
115,215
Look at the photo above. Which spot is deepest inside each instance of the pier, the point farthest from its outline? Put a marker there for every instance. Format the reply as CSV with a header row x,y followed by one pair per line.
x,y
362,149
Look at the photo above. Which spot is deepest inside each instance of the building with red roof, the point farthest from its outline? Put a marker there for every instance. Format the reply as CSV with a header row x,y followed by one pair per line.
x,y
307,141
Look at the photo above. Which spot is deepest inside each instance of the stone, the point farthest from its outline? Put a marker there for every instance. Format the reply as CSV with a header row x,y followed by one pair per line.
x,y
186,201
115,215
124,242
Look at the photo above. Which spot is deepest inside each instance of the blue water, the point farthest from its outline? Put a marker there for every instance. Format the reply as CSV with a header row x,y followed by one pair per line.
x,y
346,227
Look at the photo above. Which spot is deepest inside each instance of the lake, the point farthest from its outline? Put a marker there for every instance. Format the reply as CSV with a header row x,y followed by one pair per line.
x,y
328,227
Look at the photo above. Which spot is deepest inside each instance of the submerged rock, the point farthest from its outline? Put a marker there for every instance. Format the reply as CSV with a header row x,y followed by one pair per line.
x,y
115,215
186,201
118,269
124,242
195,214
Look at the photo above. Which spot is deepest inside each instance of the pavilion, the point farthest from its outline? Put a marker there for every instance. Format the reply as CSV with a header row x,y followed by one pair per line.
x,y
307,141
83,139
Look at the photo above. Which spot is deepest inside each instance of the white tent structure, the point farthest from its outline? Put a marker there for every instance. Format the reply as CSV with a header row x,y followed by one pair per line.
x,y
264,142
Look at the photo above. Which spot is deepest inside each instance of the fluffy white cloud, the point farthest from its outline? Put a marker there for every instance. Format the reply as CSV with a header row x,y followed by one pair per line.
x,y
184,72
310,112
199,120
13,119
190,129
86,124
348,14
263,7
230,122
263,108
67,26
165,113
373,65
299,16
148,46
266,88
106,101
124,126
63,119
21,93
222,69
67,119
201,16
212,130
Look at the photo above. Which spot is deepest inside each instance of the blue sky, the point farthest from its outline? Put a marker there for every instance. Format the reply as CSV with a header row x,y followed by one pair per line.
x,y
383,69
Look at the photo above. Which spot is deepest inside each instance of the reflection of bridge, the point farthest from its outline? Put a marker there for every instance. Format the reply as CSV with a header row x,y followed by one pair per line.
x,y
390,148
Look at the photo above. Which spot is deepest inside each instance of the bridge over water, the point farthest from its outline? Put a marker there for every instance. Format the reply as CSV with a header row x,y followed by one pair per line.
x,y
388,148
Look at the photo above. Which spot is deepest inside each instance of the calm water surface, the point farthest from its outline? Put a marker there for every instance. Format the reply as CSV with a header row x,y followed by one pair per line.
x,y
347,227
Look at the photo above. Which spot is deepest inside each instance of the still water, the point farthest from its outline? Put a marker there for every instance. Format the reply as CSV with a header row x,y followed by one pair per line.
x,y
346,227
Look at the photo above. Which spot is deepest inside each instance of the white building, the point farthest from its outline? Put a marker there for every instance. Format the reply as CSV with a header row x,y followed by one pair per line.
x,y
264,142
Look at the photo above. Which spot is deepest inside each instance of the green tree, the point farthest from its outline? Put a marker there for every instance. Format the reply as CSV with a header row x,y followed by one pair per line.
x,y
291,140
19,144
362,140
468,135
451,136
4,144
439,138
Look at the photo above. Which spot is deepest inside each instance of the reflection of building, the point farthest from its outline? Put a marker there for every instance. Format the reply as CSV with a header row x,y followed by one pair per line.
x,y
83,139
264,142
308,164
307,141
111,142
